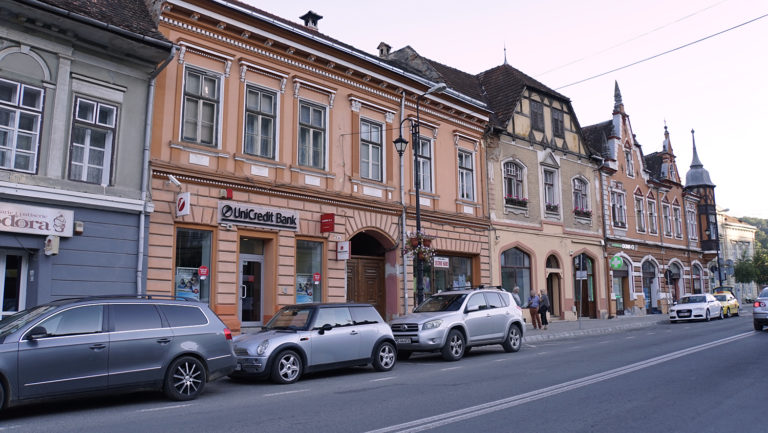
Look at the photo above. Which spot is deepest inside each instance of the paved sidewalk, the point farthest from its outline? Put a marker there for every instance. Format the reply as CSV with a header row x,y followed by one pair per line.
x,y
559,329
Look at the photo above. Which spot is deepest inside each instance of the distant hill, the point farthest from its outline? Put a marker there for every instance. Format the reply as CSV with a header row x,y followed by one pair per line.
x,y
761,236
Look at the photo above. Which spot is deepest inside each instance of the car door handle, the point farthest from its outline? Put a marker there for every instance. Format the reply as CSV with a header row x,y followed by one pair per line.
x,y
97,347
353,332
163,340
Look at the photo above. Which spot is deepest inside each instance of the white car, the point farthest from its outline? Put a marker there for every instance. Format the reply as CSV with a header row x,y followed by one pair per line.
x,y
702,306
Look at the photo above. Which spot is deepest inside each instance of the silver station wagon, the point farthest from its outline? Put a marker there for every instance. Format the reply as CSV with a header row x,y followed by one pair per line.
x,y
103,344
310,337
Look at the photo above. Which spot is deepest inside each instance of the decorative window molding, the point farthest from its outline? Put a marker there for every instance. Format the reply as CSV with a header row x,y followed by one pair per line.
x,y
357,104
246,66
459,136
432,126
205,52
298,83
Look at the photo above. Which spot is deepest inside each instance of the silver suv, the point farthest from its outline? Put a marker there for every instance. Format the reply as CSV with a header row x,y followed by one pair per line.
x,y
453,322
311,337
100,344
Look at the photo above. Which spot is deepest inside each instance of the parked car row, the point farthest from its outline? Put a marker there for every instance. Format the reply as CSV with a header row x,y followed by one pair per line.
x,y
760,310
107,344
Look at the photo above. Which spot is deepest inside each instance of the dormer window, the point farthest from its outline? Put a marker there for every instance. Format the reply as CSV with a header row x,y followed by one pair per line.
x,y
630,163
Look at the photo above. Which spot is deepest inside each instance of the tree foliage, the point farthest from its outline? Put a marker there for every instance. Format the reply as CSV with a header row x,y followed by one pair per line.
x,y
761,236
753,269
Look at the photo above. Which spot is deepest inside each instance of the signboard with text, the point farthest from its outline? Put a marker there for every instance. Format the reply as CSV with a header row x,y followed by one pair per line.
x,y
231,212
36,220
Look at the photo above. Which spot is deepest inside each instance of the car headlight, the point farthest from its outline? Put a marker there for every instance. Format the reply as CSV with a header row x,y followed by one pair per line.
x,y
262,347
432,324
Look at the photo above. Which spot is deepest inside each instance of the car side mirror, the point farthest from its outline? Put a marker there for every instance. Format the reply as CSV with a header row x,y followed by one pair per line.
x,y
323,329
37,332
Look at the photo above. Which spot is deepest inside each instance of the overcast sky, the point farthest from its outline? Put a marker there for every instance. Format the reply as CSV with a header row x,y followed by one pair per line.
x,y
716,86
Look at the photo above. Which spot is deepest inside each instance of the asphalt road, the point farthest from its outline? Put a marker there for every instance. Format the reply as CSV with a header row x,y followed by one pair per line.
x,y
668,377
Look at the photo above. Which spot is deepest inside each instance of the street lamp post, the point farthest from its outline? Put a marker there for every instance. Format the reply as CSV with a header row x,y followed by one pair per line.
x,y
400,145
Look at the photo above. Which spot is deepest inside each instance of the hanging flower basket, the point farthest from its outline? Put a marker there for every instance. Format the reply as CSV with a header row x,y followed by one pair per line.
x,y
414,242
420,246
427,242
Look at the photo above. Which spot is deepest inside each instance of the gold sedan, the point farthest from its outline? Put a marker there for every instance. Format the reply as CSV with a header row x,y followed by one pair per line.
x,y
729,302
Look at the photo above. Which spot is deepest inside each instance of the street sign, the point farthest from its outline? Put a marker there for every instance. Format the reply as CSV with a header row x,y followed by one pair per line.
x,y
316,277
616,262
202,271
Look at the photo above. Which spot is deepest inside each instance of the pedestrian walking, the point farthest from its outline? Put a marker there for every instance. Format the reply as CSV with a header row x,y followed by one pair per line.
x,y
544,306
516,295
533,308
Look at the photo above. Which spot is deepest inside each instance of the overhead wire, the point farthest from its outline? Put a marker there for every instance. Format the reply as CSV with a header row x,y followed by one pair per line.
x,y
663,53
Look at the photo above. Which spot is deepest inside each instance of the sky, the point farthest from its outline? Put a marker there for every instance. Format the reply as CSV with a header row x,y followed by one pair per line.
x,y
712,78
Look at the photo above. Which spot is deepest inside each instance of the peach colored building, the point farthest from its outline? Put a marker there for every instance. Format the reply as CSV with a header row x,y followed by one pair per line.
x,y
652,225
274,176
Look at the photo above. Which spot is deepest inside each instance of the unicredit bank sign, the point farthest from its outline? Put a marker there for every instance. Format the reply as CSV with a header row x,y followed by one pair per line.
x,y
241,213
36,220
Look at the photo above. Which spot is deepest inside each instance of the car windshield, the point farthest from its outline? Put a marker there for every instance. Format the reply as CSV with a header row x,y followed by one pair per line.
x,y
13,323
443,302
764,293
693,299
721,298
290,318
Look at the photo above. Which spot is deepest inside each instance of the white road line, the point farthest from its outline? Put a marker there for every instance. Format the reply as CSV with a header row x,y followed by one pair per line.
x,y
450,368
155,409
285,392
383,379
498,405
11,427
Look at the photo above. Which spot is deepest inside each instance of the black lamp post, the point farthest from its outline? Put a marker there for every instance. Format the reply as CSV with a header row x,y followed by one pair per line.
x,y
400,145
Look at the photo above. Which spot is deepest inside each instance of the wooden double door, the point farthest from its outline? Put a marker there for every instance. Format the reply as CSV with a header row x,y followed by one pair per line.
x,y
365,282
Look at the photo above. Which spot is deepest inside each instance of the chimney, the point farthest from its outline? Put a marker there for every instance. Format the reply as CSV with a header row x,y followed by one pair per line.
x,y
310,19
384,50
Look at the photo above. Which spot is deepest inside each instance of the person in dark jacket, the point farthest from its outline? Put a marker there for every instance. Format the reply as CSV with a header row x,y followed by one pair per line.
x,y
544,306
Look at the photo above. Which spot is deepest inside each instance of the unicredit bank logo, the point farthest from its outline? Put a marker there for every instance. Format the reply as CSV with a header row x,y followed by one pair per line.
x,y
241,213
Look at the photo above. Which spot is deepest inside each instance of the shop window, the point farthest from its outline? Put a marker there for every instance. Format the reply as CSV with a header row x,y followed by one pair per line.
x,y
309,261
516,271
456,275
193,250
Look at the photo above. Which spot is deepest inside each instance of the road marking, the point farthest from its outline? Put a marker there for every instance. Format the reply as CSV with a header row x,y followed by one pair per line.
x,y
155,409
517,400
383,379
285,392
449,368
11,427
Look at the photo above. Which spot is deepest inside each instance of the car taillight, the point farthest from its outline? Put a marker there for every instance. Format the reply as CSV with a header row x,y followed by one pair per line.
x,y
759,304
227,334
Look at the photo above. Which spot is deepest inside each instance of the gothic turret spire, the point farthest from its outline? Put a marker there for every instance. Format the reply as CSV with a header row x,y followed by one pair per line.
x,y
617,104
697,175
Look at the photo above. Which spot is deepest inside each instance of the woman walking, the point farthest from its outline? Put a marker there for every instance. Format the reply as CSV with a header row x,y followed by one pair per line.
x,y
544,306
533,308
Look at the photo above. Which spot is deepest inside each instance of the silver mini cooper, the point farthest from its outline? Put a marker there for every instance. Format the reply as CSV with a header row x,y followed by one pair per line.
x,y
305,338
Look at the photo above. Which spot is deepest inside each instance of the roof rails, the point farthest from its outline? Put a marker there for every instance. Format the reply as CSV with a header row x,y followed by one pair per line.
x,y
469,287
128,296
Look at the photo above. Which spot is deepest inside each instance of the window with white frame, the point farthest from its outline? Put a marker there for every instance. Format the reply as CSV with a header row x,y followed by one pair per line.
x,y
21,109
630,162
550,190
370,150
311,135
665,215
466,176
201,107
639,214
618,209
678,217
424,156
260,120
93,134
580,197
690,213
514,174
652,219
558,123
537,116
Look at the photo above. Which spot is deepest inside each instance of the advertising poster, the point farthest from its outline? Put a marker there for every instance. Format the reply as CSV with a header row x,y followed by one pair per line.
x,y
187,283
304,288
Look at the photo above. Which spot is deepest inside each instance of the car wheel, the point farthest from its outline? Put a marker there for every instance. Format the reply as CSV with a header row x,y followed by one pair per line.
x,y
513,341
727,313
384,358
758,326
403,355
721,314
287,367
185,379
706,316
454,347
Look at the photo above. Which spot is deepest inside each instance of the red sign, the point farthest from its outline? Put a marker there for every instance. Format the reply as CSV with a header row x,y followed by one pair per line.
x,y
316,277
327,222
202,271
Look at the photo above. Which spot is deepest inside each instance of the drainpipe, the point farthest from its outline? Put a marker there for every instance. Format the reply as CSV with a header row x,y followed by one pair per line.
x,y
145,169
402,216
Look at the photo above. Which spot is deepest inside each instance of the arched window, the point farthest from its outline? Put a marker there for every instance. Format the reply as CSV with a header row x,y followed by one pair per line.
x,y
516,271
514,185
697,278
553,263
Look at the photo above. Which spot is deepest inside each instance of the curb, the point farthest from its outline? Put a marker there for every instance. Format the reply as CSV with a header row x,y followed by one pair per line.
x,y
593,331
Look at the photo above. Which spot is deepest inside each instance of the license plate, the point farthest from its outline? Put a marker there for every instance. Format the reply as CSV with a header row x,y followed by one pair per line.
x,y
402,340
685,314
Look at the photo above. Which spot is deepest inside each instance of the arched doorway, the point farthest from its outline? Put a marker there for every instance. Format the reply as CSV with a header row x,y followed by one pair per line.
x,y
553,286
697,278
650,286
365,272
584,285
621,285
675,280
